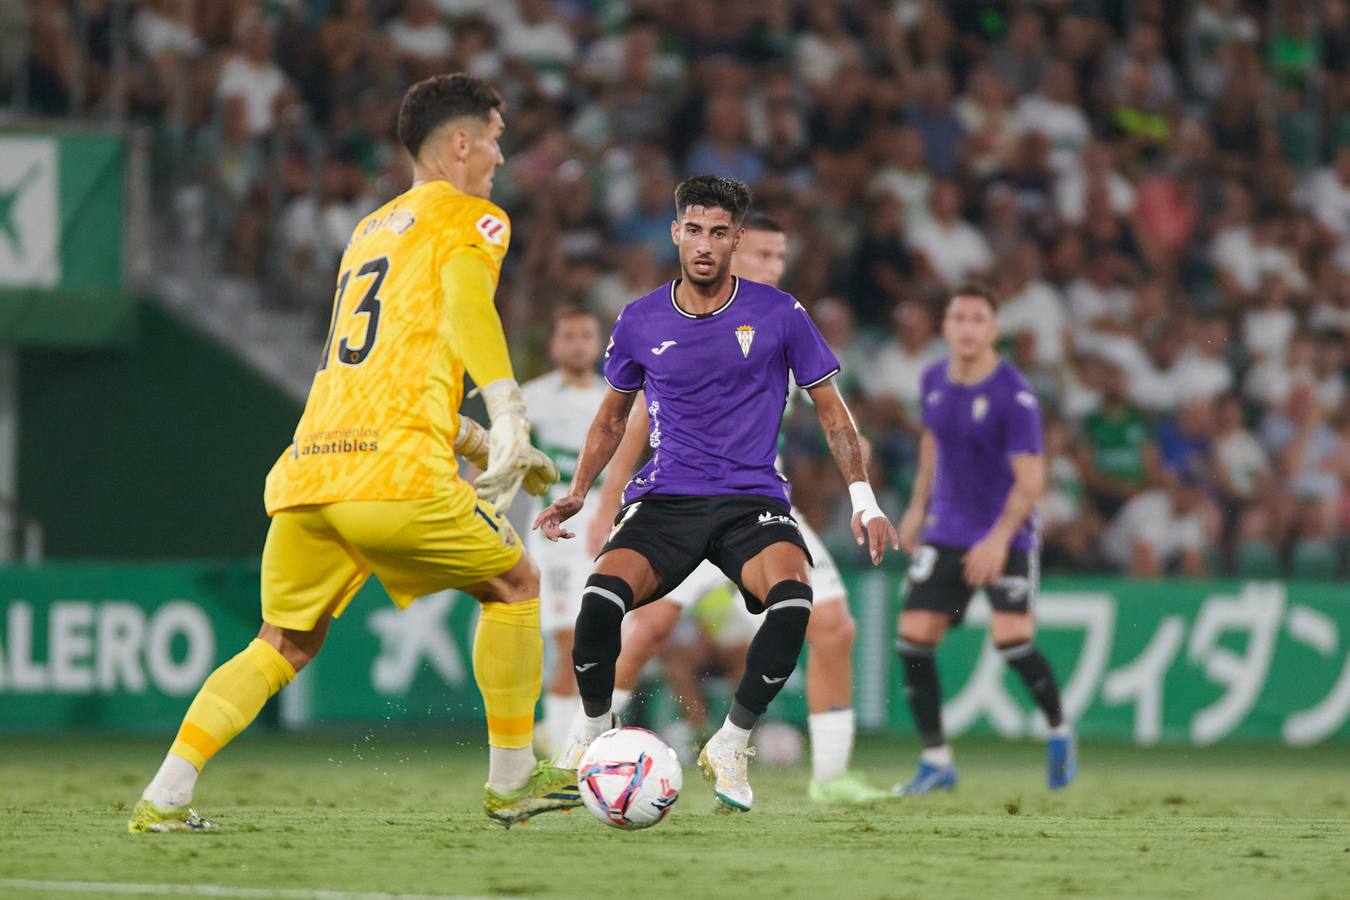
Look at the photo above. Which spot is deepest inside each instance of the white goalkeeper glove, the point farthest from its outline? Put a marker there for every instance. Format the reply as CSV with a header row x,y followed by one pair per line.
x,y
508,443
472,443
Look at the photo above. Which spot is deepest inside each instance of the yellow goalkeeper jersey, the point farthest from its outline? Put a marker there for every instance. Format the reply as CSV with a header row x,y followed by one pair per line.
x,y
382,413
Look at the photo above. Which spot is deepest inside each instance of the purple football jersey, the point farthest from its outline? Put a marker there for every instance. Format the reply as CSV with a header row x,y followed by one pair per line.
x,y
716,385
978,429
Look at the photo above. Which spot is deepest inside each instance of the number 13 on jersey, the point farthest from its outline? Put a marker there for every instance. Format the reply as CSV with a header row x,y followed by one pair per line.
x,y
368,307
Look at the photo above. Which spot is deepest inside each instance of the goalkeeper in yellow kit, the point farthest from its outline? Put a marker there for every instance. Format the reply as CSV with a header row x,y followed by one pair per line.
x,y
370,483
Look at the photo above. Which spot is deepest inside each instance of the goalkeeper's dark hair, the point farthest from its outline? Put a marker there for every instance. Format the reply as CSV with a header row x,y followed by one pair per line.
x,y
762,222
434,101
713,190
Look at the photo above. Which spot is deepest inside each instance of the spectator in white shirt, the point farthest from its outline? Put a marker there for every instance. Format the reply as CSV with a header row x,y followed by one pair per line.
x,y
253,81
1266,330
1096,170
902,172
1204,372
1032,304
950,250
164,28
420,39
1160,530
1327,194
1273,379
537,37
1054,111
893,382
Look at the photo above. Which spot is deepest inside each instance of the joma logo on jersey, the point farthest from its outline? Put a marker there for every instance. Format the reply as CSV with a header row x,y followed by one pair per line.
x,y
492,228
745,336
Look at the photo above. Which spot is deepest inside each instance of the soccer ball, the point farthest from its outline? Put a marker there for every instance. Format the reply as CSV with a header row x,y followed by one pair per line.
x,y
629,778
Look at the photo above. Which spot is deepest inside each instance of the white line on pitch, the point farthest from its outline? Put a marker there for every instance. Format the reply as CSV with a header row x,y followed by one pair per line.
x,y
215,890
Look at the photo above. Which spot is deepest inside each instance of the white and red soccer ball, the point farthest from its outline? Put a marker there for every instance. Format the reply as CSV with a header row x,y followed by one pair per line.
x,y
629,778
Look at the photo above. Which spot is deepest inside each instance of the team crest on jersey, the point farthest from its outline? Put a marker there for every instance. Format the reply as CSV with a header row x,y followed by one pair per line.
x,y
745,336
979,408
492,228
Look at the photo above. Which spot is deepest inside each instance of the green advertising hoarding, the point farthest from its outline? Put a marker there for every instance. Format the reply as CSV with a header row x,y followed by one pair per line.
x,y
124,647
62,208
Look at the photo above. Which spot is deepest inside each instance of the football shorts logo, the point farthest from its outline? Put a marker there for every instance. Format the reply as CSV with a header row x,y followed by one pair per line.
x,y
778,680
745,336
665,345
768,518
1017,587
979,408
492,228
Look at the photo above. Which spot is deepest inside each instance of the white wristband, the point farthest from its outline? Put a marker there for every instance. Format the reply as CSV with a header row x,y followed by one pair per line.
x,y
864,501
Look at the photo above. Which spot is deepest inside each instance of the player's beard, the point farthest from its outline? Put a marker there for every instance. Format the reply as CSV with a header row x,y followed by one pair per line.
x,y
718,273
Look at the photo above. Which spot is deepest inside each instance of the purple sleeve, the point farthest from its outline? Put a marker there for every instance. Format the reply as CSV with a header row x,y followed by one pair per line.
x,y
925,380
1022,423
622,371
809,357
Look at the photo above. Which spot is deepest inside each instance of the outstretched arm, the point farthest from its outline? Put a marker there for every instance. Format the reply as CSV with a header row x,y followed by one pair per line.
x,y
602,439
841,433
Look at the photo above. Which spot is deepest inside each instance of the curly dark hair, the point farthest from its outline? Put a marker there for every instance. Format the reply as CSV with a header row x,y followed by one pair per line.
x,y
713,190
438,99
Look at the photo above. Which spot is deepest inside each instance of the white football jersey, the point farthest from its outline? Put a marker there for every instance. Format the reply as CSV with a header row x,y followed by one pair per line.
x,y
560,414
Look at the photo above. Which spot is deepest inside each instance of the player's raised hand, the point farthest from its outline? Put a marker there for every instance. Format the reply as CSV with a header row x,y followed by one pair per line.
x,y
878,534
559,511
911,526
983,563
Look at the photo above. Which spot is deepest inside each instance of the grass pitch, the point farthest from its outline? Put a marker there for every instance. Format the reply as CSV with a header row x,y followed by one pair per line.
x,y
303,815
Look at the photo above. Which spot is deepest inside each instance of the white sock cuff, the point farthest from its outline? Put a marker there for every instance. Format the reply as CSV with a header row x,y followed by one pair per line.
x,y
735,733
938,756
831,717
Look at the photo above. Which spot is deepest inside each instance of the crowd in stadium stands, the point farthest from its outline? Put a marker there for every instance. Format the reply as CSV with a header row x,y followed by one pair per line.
x,y
1159,192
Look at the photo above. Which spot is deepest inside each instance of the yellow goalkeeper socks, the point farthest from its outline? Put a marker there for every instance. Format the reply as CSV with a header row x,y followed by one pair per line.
x,y
508,665
229,700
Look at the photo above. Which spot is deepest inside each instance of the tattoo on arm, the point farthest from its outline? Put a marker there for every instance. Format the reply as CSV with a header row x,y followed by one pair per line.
x,y
843,441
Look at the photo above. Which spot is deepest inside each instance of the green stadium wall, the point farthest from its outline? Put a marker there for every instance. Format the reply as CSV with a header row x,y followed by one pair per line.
x,y
153,449
123,647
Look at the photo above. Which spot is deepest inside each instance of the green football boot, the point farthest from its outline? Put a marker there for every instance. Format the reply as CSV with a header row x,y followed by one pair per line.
x,y
549,788
147,817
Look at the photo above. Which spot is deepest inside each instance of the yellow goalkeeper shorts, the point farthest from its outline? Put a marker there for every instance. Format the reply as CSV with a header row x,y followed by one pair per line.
x,y
317,557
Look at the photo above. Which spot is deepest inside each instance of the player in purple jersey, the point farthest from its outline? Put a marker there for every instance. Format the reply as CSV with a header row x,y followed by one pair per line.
x,y
713,354
970,525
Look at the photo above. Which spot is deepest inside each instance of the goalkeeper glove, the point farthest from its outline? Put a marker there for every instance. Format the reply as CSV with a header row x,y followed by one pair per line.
x,y
472,443
509,450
